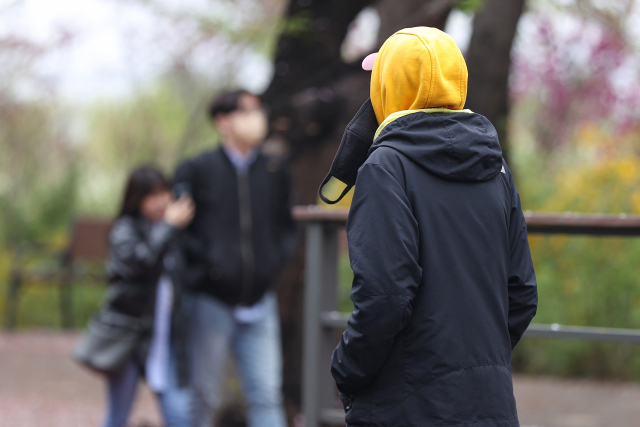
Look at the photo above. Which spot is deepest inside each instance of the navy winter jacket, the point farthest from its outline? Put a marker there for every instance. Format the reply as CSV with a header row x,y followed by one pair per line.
x,y
444,285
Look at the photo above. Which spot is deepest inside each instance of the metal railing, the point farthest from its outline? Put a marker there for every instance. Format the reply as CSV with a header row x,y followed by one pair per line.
x,y
321,320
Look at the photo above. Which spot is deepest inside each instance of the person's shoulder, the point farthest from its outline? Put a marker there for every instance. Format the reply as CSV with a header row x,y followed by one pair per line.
x,y
203,157
123,227
189,168
387,157
123,221
386,161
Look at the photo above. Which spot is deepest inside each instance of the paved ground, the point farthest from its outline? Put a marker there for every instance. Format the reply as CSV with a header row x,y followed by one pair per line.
x,y
41,386
577,403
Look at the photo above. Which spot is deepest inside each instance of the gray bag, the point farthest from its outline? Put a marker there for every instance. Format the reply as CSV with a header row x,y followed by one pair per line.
x,y
109,341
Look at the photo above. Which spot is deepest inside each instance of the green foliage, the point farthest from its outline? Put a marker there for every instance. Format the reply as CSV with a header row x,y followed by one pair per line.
x,y
469,5
39,304
345,278
585,281
297,26
160,126
38,176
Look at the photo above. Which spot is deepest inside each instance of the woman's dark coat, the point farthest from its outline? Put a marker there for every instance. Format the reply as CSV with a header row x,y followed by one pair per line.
x,y
444,286
137,250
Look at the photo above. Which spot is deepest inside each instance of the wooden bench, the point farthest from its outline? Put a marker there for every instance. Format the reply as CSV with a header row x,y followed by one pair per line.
x,y
82,259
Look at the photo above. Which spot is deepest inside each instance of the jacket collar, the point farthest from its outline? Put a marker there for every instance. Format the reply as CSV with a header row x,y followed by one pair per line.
x,y
395,116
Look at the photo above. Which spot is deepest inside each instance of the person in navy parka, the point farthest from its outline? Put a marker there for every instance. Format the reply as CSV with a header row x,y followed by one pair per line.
x,y
444,285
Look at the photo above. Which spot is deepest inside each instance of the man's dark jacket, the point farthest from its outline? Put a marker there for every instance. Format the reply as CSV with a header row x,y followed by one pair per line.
x,y
243,233
443,287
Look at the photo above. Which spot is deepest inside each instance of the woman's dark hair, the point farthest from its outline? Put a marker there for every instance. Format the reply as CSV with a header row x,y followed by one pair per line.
x,y
226,103
143,181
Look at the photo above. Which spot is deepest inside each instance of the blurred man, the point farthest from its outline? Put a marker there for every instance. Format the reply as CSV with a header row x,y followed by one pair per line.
x,y
241,238
444,286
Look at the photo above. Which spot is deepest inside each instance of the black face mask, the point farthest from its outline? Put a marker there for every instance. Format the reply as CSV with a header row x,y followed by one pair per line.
x,y
353,150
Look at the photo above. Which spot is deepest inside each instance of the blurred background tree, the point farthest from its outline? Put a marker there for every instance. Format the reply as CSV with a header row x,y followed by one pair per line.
x,y
37,166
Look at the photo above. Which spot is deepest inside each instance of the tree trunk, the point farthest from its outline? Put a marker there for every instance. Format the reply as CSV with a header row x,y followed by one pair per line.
x,y
489,59
397,15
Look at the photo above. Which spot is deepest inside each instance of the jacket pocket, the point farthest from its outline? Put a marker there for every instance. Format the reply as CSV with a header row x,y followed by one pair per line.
x,y
388,388
477,395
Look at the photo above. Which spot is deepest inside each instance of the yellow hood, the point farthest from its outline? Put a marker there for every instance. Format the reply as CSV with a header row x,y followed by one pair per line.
x,y
418,68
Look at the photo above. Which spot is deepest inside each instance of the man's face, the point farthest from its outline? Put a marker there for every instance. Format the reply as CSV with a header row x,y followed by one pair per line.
x,y
247,125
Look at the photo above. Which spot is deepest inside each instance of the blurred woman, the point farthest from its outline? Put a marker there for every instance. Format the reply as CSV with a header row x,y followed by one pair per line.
x,y
140,287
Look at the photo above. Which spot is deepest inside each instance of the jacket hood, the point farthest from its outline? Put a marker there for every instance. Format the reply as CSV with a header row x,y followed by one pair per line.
x,y
455,145
418,68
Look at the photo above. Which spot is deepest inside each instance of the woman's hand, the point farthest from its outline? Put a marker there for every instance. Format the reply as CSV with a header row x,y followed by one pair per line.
x,y
180,213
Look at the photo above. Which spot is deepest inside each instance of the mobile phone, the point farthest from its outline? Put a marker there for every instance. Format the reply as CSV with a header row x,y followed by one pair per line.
x,y
181,188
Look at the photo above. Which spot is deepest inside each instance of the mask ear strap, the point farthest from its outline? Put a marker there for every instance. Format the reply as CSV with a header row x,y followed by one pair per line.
x,y
332,202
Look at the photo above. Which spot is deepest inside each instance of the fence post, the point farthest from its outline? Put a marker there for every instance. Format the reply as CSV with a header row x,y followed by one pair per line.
x,y
14,288
320,282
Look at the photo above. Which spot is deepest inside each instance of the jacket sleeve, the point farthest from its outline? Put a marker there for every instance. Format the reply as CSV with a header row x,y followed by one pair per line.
x,y
190,241
523,289
383,247
184,173
190,245
135,254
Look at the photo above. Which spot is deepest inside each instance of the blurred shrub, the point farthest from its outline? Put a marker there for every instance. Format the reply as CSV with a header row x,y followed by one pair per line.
x,y
38,177
590,281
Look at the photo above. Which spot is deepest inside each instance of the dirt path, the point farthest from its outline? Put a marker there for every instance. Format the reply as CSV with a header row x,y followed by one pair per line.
x,y
41,386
